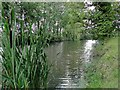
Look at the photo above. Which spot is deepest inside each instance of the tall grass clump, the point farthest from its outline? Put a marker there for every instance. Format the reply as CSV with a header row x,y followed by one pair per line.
x,y
24,62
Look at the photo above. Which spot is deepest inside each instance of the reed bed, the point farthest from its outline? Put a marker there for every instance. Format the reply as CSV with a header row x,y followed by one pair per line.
x,y
24,62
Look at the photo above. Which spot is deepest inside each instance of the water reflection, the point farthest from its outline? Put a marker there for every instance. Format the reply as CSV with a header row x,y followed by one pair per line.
x,y
68,61
87,49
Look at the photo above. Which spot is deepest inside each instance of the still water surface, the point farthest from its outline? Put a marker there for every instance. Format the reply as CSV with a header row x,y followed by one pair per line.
x,y
69,60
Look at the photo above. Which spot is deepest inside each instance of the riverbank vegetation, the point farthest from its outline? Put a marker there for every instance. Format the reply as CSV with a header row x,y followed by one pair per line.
x,y
29,27
24,65
103,72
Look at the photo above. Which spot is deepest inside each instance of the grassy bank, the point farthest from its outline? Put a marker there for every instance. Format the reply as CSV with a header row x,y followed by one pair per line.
x,y
104,69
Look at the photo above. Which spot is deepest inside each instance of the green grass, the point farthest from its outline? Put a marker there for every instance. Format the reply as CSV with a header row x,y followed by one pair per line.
x,y
103,73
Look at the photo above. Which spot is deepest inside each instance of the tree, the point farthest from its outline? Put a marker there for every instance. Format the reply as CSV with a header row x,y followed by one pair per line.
x,y
102,19
73,19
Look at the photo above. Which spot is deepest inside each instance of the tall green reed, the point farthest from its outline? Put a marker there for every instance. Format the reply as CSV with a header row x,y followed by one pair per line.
x,y
24,64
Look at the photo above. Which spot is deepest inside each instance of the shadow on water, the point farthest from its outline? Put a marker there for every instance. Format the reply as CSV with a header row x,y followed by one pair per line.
x,y
69,60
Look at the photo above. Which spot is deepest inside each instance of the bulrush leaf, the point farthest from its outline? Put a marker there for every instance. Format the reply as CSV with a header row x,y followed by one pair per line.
x,y
24,64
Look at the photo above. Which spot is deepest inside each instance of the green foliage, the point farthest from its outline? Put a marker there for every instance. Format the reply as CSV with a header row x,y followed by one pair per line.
x,y
24,66
73,20
54,17
102,19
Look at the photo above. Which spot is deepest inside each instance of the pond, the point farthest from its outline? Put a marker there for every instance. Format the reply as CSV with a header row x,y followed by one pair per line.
x,y
68,61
